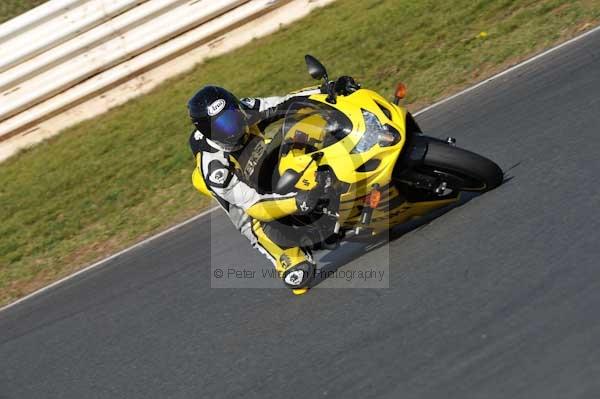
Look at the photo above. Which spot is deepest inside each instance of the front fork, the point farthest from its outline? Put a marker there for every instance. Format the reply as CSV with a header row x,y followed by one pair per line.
x,y
406,168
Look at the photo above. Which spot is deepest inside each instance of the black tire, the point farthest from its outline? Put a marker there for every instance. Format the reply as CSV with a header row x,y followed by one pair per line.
x,y
463,170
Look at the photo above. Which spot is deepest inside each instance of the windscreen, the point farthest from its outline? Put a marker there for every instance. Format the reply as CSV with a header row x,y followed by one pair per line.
x,y
310,126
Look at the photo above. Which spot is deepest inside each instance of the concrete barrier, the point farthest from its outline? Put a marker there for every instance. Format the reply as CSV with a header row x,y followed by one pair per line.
x,y
60,29
86,41
111,53
126,56
34,17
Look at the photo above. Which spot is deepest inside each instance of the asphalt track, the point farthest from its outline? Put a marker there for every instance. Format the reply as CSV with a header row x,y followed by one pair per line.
x,y
497,298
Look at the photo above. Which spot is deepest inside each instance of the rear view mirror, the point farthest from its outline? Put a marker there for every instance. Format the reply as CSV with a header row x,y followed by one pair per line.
x,y
315,68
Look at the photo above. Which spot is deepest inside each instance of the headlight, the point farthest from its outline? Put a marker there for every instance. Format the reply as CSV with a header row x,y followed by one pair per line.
x,y
375,133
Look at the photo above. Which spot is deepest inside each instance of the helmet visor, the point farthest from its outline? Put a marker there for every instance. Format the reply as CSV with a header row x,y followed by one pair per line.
x,y
228,129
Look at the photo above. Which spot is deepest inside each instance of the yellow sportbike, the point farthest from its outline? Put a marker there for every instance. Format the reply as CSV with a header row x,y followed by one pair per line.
x,y
367,160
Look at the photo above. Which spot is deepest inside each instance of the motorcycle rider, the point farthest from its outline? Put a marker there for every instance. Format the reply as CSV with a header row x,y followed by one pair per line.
x,y
224,128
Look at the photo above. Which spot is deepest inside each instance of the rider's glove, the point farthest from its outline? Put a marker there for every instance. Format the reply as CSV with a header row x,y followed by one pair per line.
x,y
346,85
306,201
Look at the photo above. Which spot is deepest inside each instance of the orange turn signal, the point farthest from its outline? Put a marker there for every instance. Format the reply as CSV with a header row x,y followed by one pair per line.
x,y
401,90
373,199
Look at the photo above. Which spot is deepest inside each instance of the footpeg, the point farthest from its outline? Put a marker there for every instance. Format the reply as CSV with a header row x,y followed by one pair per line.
x,y
332,242
441,189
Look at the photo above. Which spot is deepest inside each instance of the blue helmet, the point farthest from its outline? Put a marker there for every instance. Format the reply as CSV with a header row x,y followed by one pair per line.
x,y
217,115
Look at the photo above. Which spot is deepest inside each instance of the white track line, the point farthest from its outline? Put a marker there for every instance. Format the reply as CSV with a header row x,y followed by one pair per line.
x,y
100,262
509,70
147,240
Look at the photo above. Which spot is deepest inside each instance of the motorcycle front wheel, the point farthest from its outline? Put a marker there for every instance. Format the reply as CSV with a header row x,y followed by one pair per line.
x,y
462,170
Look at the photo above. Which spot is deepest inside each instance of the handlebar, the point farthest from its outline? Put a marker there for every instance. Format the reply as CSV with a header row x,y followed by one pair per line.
x,y
343,86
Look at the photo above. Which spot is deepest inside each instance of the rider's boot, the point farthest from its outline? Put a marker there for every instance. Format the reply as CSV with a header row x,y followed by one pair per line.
x,y
294,265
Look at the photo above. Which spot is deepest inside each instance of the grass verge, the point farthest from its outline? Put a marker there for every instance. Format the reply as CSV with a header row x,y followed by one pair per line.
x,y
110,181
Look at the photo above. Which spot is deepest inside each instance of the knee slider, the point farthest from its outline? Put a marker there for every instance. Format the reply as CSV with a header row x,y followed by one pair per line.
x,y
299,276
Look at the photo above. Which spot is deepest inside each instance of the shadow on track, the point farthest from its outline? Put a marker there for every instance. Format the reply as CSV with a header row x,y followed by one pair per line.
x,y
352,249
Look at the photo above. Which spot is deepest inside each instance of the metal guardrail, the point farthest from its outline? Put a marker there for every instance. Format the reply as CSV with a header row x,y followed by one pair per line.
x,y
66,51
